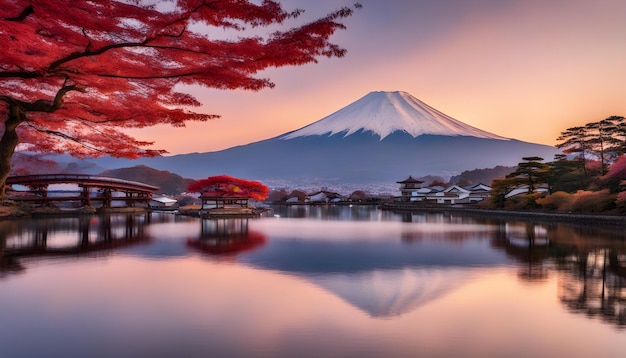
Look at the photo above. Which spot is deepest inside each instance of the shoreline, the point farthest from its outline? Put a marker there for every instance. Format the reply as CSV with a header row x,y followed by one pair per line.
x,y
544,216
8,212
11,211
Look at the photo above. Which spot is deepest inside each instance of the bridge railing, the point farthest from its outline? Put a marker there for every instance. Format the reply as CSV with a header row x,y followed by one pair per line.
x,y
76,179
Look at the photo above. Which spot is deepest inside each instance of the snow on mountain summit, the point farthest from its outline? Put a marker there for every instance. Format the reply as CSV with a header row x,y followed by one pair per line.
x,y
386,112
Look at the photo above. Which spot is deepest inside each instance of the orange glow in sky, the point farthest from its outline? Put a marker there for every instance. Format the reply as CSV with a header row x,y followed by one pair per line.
x,y
520,69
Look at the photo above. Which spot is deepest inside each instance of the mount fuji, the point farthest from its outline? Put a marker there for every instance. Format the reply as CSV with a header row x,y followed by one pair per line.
x,y
379,139
383,113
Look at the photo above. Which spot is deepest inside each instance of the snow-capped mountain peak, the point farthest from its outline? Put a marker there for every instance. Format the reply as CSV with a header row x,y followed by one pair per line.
x,y
386,112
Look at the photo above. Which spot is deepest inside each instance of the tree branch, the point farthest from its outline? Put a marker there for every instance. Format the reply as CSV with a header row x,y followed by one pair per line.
x,y
22,16
150,77
67,137
19,74
87,52
42,105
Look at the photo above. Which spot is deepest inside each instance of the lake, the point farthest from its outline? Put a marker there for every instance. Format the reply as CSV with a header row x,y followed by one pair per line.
x,y
310,281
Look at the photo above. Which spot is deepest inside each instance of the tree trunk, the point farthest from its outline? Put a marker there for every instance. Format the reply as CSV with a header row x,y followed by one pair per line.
x,y
8,143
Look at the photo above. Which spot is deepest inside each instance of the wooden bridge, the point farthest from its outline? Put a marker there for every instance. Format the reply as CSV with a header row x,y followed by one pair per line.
x,y
91,189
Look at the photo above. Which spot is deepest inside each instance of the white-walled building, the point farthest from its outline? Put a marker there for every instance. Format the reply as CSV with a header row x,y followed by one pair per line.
x,y
412,191
162,202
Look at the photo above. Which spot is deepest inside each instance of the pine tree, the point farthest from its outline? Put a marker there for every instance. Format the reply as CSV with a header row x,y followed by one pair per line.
x,y
531,172
576,140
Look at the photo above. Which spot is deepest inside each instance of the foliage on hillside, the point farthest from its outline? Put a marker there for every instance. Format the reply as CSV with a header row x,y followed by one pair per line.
x,y
168,182
477,176
24,164
594,180
592,195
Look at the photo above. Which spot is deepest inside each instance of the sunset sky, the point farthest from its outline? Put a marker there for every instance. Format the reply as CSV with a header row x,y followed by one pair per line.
x,y
524,69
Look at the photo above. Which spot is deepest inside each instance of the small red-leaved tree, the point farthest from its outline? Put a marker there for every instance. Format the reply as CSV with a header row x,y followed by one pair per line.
x,y
616,175
74,74
227,186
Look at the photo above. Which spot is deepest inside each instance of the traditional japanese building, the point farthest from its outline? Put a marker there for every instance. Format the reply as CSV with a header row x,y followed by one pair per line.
x,y
410,189
460,195
214,201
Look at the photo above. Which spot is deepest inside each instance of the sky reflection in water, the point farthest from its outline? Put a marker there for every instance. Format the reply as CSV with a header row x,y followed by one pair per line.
x,y
331,281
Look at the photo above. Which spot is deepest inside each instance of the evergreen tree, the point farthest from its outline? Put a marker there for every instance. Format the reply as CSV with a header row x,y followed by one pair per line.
x,y
531,172
575,141
499,188
603,142
618,136
566,175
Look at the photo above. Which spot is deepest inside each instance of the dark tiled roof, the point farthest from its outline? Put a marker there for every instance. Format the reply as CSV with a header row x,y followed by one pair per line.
x,y
410,179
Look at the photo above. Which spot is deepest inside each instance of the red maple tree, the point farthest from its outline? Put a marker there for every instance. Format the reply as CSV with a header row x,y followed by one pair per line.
x,y
74,74
224,185
615,178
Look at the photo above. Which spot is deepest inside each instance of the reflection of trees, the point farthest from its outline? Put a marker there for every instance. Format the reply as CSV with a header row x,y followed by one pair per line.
x,y
326,212
594,283
591,263
457,237
67,236
226,236
528,243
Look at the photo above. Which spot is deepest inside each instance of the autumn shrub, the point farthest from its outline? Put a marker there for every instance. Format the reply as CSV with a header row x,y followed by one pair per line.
x,y
620,201
615,175
594,168
278,195
486,204
358,195
511,203
528,201
559,201
592,201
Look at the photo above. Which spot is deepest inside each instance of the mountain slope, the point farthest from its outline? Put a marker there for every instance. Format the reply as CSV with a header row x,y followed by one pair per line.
x,y
168,183
360,158
381,138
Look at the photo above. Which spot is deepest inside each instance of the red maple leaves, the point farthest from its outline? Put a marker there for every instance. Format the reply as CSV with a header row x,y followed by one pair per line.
x,y
75,74
227,186
82,70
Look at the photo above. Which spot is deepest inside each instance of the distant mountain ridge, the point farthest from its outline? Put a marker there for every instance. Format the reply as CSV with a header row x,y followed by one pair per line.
x,y
168,183
381,138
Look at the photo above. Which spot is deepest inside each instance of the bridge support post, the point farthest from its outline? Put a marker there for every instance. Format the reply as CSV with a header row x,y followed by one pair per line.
x,y
107,198
41,190
130,203
86,196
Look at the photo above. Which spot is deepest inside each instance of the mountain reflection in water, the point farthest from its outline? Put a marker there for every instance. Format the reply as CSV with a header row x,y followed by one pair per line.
x,y
390,293
436,253
386,266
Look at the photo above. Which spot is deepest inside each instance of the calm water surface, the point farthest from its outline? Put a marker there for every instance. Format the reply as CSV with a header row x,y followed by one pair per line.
x,y
310,282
